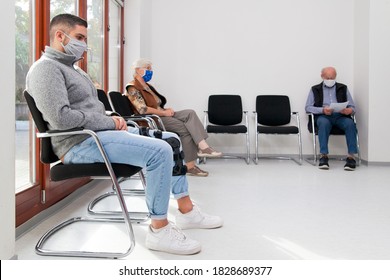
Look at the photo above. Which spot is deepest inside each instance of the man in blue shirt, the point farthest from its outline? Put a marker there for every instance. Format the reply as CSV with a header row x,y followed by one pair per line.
x,y
320,102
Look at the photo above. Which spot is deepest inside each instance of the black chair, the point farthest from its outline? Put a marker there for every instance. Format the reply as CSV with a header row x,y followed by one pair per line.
x,y
104,99
311,125
273,116
59,172
122,105
225,115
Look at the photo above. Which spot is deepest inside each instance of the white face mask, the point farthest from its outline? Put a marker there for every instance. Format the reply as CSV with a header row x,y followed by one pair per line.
x,y
75,47
329,83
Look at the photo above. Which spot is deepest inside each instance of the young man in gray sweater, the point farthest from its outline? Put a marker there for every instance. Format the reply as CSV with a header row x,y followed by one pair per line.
x,y
68,99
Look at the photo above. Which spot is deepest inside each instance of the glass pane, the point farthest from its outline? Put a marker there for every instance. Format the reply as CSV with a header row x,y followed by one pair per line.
x,y
64,6
23,58
95,41
114,45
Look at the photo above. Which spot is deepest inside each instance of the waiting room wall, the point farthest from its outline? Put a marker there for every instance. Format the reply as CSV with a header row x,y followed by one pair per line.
x,y
256,47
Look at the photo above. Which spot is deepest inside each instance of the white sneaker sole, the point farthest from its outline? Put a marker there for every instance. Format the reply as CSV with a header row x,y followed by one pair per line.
x,y
323,167
173,251
349,168
198,226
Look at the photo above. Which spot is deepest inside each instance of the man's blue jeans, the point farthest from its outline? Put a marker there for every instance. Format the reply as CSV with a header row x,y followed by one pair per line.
x,y
153,155
325,124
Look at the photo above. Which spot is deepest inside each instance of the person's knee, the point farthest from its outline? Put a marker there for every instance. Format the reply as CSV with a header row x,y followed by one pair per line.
x,y
323,123
164,152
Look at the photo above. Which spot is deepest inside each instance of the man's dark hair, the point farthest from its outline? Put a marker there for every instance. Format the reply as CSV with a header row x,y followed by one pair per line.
x,y
67,22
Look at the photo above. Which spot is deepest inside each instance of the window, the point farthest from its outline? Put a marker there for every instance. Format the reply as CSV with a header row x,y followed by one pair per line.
x,y
34,191
95,41
25,173
115,46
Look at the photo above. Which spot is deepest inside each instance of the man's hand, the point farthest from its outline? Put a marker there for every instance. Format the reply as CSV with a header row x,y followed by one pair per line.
x,y
327,111
346,111
120,123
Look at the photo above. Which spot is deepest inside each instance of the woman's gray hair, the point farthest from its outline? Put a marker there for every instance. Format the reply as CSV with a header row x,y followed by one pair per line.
x,y
141,62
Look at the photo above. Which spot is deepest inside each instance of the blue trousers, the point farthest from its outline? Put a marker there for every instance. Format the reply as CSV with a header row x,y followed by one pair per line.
x,y
154,155
325,124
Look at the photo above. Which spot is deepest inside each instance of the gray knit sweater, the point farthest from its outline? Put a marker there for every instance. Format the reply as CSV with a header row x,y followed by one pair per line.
x,y
66,97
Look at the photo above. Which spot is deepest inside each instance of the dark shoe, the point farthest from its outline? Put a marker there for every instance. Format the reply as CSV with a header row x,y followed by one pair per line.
x,y
324,163
350,164
196,171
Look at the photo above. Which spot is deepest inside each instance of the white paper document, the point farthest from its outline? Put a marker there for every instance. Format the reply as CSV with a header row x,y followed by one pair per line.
x,y
337,107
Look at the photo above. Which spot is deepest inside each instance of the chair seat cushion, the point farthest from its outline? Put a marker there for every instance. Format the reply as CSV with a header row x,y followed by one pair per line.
x,y
62,171
277,130
232,129
334,131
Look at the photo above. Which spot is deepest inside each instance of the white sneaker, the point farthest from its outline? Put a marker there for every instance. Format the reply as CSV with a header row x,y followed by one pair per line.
x,y
196,219
172,240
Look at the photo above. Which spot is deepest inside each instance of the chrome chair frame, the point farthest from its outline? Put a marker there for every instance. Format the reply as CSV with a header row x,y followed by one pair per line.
x,y
300,156
126,219
133,121
153,121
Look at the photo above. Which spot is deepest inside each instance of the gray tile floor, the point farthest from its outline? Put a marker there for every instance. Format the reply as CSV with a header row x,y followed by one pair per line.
x,y
275,210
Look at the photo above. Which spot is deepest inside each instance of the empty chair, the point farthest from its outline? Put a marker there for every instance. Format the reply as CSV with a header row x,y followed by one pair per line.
x,y
59,172
225,115
273,116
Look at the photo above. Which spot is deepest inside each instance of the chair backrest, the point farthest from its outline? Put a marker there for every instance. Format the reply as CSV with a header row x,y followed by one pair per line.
x,y
273,110
225,109
121,103
47,153
104,99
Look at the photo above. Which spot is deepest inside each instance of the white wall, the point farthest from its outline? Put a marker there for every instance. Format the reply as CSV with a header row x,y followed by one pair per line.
x,y
379,74
7,128
361,70
253,47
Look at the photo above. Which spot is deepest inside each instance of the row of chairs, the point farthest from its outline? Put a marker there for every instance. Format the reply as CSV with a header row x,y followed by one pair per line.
x,y
225,115
273,115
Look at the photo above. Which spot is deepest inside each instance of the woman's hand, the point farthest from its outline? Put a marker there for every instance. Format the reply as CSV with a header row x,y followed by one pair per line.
x,y
168,112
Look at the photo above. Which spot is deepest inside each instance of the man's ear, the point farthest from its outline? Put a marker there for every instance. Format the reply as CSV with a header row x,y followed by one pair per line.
x,y
59,36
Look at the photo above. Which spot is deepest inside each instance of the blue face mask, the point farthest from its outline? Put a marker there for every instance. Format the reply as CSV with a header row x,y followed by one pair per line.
x,y
148,75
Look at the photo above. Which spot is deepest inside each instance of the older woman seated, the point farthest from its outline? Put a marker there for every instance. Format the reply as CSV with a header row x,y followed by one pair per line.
x,y
146,100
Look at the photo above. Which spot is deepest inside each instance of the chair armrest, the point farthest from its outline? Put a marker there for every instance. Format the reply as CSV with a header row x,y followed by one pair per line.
x,y
138,118
205,119
80,131
112,113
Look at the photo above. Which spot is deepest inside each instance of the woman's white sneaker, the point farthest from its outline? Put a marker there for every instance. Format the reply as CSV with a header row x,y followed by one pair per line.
x,y
196,219
172,240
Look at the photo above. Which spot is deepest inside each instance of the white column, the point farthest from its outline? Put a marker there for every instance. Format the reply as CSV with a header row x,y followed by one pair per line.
x,y
7,128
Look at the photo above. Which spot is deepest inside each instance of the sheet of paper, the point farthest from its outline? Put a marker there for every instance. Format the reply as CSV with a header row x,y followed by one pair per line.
x,y
337,107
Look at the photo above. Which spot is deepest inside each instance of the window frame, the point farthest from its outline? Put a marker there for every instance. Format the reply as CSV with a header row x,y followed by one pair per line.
x,y
44,193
